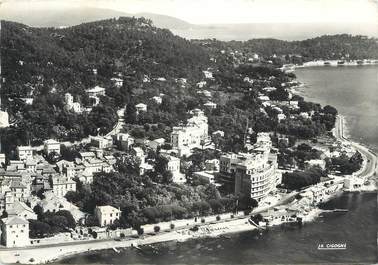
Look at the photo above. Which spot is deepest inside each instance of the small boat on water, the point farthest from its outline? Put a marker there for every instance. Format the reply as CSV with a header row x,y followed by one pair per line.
x,y
116,250
340,210
327,63
340,63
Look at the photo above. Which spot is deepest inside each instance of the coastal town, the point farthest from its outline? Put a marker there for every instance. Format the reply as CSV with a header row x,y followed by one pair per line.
x,y
63,195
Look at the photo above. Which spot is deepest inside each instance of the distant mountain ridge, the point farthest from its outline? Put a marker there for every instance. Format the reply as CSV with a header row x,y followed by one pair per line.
x,y
76,16
225,32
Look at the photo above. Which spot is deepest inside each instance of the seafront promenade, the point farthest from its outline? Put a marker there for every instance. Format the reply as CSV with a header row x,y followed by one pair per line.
x,y
212,228
44,254
369,168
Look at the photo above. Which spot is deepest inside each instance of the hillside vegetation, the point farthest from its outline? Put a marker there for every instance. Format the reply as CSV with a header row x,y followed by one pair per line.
x,y
45,63
327,47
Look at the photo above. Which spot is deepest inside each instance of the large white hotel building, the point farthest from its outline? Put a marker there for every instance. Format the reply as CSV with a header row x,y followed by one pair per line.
x,y
255,173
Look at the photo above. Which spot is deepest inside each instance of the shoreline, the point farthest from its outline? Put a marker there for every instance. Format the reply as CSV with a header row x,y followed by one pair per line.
x,y
49,254
330,63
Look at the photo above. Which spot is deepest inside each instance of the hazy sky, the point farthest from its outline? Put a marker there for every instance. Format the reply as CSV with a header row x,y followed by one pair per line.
x,y
229,11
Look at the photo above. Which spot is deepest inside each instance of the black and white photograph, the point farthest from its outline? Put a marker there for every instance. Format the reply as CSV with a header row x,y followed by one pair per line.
x,y
188,132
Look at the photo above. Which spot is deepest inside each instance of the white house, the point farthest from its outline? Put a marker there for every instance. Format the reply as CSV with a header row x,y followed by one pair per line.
x,y
208,74
138,152
294,104
201,84
93,165
101,142
87,155
14,231
141,107
173,166
106,215
51,146
62,184
281,117
269,89
96,91
24,152
118,82
218,133
193,135
304,115
210,105
264,98
4,119
351,183
157,99
71,105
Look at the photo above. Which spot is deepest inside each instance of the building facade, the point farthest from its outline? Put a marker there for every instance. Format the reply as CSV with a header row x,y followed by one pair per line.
x,y
14,231
24,152
106,215
255,173
173,166
193,135
51,146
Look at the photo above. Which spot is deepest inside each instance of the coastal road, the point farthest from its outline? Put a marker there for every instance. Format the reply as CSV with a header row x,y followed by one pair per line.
x,y
370,168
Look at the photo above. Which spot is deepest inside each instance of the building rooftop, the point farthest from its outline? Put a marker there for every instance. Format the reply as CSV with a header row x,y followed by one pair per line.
x,y
96,89
23,148
18,207
17,185
107,209
15,220
51,141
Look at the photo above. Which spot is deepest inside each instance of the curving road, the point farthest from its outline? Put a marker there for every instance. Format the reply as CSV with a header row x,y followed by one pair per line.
x,y
370,168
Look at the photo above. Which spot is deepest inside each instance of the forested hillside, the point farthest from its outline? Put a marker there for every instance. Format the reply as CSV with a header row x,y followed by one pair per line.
x,y
46,63
67,56
327,47
42,64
